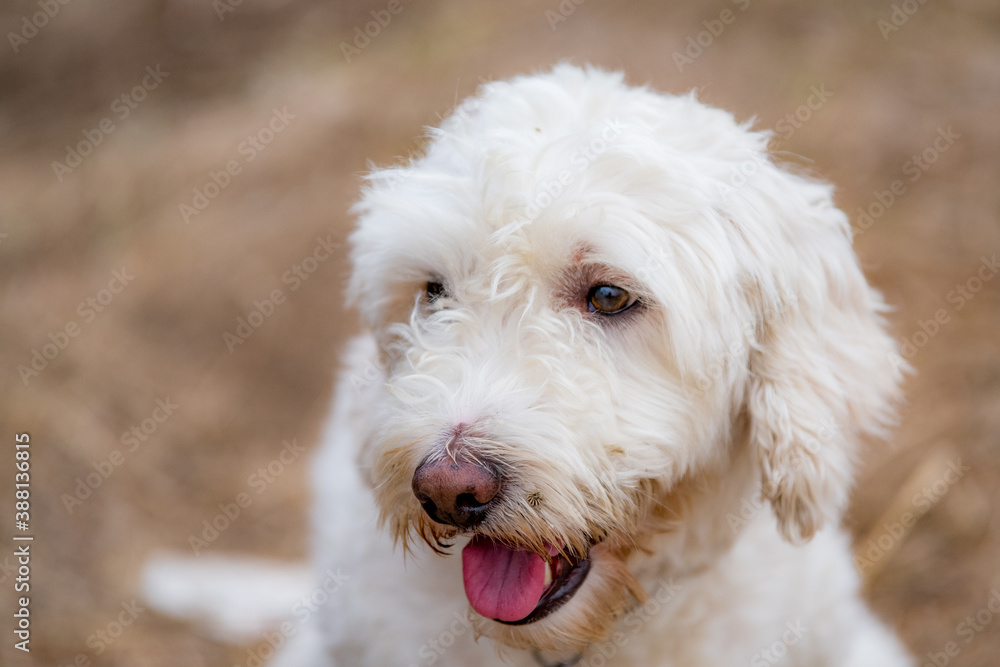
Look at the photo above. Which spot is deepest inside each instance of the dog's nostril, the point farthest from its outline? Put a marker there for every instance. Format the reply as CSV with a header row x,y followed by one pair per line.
x,y
430,509
467,500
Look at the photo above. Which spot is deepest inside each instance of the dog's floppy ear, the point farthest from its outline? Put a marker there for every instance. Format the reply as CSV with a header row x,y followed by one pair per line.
x,y
823,371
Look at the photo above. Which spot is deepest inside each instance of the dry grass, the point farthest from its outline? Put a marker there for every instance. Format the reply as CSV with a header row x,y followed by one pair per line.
x,y
162,336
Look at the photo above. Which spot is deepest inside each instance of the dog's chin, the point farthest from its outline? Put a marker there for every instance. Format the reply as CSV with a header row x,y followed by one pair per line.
x,y
579,607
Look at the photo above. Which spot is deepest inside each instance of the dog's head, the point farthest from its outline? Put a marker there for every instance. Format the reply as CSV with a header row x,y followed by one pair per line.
x,y
585,294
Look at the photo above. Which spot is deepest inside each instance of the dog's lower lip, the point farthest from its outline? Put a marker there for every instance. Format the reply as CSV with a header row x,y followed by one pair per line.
x,y
563,587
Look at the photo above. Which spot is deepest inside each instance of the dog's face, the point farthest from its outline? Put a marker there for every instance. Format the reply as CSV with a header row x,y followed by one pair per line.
x,y
584,294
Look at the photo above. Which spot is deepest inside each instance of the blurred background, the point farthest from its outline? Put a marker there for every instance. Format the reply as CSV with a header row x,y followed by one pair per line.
x,y
174,183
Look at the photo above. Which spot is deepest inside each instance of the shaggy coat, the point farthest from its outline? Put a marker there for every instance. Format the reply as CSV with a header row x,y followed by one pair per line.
x,y
656,346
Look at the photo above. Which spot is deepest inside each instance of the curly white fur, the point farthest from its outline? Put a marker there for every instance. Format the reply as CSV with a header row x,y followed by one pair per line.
x,y
752,366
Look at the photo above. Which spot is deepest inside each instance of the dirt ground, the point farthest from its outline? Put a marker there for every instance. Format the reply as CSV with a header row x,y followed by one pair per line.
x,y
103,269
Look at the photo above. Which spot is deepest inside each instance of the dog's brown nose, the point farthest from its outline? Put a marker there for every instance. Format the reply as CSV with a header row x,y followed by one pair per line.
x,y
458,493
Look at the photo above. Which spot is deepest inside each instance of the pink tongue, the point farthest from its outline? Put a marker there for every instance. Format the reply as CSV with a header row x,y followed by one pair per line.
x,y
501,583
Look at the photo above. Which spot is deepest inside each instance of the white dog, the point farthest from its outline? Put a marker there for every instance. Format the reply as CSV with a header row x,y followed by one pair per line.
x,y
618,366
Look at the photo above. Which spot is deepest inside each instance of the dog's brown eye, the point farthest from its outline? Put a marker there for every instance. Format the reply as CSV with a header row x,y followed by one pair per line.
x,y
435,291
608,299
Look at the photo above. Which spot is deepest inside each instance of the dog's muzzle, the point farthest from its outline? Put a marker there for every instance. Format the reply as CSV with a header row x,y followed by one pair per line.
x,y
508,585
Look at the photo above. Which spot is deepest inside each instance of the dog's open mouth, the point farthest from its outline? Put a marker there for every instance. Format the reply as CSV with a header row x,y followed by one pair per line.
x,y
518,587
